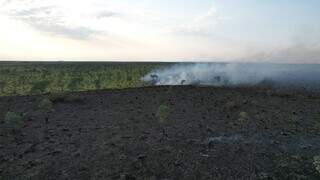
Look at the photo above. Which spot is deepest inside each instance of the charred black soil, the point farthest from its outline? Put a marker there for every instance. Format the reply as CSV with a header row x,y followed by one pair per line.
x,y
205,133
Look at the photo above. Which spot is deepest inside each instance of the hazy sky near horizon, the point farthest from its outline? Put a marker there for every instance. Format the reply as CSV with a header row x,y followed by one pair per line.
x,y
218,30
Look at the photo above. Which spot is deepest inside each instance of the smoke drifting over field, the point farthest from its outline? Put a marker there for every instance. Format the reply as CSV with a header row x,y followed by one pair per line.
x,y
234,74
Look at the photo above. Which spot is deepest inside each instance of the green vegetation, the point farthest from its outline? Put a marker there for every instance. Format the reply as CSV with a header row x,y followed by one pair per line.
x,y
243,117
40,87
45,105
317,121
316,163
65,98
14,120
163,113
41,78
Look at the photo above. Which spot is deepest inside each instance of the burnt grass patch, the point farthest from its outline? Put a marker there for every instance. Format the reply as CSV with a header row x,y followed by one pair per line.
x,y
209,133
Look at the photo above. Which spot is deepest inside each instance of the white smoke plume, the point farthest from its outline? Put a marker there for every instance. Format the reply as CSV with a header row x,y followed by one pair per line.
x,y
234,74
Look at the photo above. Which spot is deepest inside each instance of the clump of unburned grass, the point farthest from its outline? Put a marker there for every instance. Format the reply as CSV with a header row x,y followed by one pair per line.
x,y
231,105
317,121
65,98
13,120
57,98
163,113
40,87
316,163
45,105
243,117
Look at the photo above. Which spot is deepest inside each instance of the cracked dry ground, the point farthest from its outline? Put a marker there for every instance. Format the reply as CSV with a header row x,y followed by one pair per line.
x,y
210,133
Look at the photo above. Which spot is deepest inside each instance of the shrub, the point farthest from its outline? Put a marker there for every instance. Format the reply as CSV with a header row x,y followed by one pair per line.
x,y
14,120
45,105
57,98
74,99
97,84
163,113
75,83
40,87
243,117
65,98
317,121
316,163
231,105
2,86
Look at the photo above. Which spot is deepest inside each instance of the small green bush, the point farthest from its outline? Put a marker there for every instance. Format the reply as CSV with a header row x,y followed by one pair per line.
x,y
65,98
14,120
45,105
56,98
317,121
40,87
2,86
231,105
316,163
75,83
243,116
163,113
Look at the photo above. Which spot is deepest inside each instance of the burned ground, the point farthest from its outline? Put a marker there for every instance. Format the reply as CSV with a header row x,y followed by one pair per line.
x,y
208,133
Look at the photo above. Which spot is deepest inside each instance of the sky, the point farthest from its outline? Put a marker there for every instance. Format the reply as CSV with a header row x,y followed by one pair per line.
x,y
283,31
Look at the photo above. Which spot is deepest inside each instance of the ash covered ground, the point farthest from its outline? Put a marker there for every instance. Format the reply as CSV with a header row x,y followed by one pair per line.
x,y
205,133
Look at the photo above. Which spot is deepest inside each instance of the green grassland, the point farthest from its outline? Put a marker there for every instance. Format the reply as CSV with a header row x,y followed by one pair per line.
x,y
26,78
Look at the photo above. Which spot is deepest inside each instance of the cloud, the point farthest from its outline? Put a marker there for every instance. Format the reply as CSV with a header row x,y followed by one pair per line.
x,y
201,25
33,11
212,12
107,14
80,33
52,20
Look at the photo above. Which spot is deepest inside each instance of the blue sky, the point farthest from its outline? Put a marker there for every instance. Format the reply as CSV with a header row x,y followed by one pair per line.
x,y
217,30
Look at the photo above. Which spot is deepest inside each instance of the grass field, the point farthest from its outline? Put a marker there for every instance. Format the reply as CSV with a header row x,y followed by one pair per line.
x,y
25,78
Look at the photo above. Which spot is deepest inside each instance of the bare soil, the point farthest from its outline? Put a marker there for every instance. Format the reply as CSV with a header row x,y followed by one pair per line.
x,y
210,133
